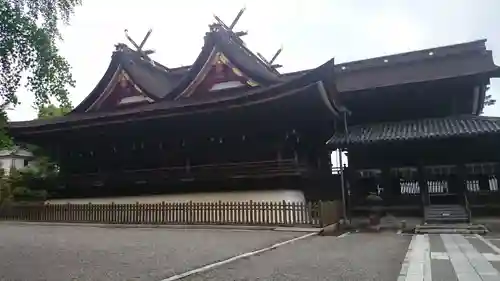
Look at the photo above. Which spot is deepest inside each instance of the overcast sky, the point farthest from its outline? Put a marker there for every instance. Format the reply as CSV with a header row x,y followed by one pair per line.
x,y
311,32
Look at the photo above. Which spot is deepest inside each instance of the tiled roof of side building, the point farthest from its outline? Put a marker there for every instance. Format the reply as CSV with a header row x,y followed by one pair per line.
x,y
430,128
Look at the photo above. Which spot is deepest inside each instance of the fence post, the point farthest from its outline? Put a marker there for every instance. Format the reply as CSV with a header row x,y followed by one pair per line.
x,y
112,213
251,207
190,219
67,213
285,218
89,213
219,211
163,213
137,213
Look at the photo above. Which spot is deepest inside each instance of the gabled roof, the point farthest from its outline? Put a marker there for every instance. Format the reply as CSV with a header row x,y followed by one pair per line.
x,y
316,85
162,83
431,128
243,58
151,77
221,40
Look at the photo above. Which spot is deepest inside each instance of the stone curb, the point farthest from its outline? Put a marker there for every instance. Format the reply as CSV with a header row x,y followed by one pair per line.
x,y
330,230
170,226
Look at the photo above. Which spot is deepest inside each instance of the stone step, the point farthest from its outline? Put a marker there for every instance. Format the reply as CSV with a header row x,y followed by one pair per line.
x,y
445,211
450,231
456,225
444,215
451,228
446,220
447,214
445,208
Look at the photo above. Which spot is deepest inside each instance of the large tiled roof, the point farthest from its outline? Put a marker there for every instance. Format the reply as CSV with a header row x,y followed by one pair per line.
x,y
431,128
310,85
162,83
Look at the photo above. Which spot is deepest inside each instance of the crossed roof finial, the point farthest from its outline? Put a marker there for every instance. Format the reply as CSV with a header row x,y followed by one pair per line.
x,y
233,23
139,47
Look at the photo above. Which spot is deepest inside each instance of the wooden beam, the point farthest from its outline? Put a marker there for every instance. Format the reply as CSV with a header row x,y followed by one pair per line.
x,y
238,16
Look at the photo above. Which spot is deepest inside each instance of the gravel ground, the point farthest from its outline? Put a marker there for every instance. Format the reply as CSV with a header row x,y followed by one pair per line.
x,y
63,253
360,256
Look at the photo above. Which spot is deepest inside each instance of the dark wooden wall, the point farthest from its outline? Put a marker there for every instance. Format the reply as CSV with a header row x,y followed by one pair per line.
x,y
413,101
429,152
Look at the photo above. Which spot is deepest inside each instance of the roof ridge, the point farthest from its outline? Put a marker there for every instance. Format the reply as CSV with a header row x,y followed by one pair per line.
x,y
457,48
246,49
123,48
242,58
361,64
416,55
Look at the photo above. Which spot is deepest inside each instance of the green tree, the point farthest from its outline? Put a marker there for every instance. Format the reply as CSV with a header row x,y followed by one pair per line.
x,y
488,100
33,182
28,48
51,110
39,179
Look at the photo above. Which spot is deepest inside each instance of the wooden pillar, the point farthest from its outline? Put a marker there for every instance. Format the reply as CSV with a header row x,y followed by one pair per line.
x,y
424,187
352,184
295,156
497,177
461,183
188,165
386,184
484,182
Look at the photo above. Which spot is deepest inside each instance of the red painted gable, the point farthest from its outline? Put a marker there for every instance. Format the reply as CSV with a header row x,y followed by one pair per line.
x,y
124,88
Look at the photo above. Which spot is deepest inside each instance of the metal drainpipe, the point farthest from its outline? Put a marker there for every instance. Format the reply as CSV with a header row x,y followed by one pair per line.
x,y
342,184
342,177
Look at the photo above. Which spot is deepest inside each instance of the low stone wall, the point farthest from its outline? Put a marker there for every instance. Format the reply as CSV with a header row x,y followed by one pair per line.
x,y
205,197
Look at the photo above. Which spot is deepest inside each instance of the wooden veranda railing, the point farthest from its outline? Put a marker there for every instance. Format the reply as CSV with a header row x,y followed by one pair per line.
x,y
243,213
221,170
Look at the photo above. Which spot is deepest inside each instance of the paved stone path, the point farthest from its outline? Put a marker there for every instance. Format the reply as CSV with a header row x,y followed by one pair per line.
x,y
354,257
41,252
65,253
452,257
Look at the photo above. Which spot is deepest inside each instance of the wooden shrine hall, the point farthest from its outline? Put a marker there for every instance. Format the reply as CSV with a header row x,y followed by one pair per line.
x,y
232,121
